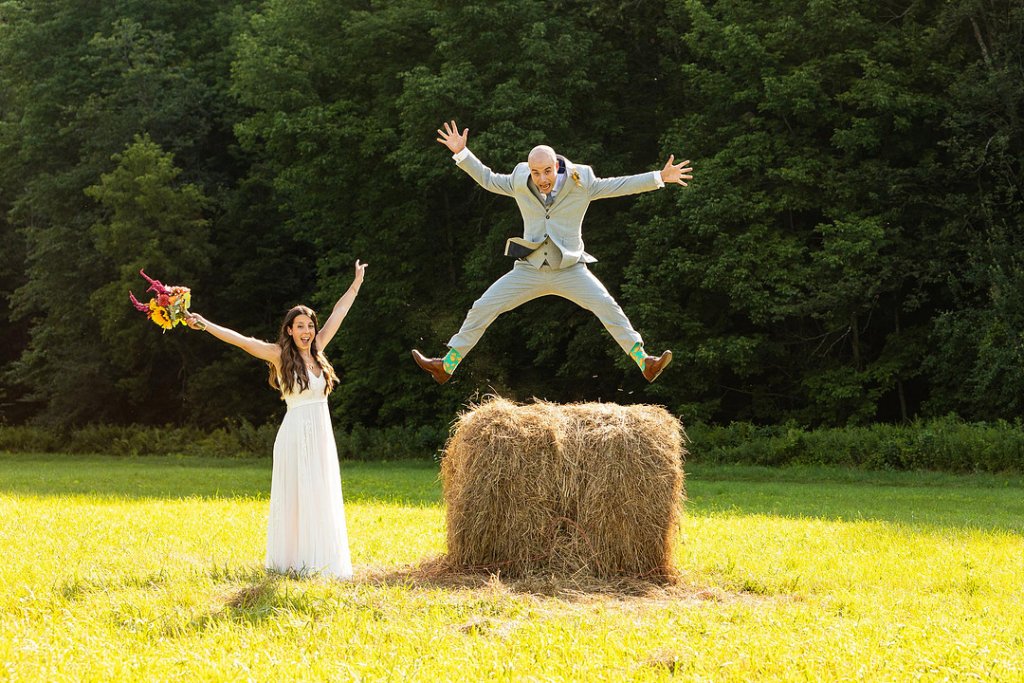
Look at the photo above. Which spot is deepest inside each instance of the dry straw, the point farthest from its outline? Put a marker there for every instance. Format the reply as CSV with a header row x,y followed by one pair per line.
x,y
578,490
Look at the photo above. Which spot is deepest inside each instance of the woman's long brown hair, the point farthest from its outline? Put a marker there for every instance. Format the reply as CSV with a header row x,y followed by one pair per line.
x,y
293,369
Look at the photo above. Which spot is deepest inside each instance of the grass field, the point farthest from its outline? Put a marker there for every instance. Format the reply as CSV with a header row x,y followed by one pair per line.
x,y
150,569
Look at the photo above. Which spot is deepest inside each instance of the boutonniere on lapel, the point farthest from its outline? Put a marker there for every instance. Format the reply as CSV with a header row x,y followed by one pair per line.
x,y
576,177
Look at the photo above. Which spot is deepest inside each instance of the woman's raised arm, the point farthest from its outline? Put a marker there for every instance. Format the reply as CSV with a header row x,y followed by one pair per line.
x,y
341,308
254,347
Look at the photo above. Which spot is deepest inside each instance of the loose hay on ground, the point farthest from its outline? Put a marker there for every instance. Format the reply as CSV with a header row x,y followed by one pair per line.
x,y
588,490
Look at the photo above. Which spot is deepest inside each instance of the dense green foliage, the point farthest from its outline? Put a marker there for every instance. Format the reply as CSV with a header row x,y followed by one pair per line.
x,y
849,251
941,445
240,440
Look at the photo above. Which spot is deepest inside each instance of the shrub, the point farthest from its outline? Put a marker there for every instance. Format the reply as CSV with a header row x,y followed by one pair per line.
x,y
390,443
946,444
241,439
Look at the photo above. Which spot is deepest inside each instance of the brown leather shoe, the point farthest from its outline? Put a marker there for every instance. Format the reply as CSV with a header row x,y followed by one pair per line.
x,y
654,365
435,366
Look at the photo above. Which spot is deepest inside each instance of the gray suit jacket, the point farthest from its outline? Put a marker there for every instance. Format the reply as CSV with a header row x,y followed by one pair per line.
x,y
562,222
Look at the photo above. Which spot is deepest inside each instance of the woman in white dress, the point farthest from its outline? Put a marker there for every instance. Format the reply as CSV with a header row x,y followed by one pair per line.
x,y
306,530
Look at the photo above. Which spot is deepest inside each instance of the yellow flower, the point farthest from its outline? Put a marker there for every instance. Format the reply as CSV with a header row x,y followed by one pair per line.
x,y
576,177
169,307
160,317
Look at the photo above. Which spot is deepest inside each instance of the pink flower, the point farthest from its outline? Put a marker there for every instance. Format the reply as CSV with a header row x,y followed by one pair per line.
x,y
138,304
154,285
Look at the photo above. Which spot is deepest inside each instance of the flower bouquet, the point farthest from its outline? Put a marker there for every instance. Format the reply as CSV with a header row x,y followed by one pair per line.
x,y
169,305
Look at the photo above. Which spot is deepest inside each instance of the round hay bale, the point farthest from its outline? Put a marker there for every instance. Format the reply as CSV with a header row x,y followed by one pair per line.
x,y
587,489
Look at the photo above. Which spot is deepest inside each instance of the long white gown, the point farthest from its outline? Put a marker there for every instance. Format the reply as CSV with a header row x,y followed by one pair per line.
x,y
306,531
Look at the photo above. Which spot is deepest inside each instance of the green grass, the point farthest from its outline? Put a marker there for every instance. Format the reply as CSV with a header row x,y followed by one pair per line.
x,y
150,569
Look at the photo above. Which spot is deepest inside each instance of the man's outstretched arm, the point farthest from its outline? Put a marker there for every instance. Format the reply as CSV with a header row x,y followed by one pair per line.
x,y
450,137
671,174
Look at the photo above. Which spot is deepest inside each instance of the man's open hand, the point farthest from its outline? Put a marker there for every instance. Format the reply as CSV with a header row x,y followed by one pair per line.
x,y
450,137
674,173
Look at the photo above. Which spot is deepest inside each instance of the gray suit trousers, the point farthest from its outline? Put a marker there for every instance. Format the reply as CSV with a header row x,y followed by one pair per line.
x,y
525,282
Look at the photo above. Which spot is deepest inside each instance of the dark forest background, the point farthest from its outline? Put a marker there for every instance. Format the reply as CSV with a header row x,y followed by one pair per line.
x,y
849,252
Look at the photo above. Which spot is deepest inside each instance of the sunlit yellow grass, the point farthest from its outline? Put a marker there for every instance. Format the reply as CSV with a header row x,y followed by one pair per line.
x,y
165,583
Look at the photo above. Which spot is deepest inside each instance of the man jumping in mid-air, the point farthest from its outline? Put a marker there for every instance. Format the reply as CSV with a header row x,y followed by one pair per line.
x,y
553,194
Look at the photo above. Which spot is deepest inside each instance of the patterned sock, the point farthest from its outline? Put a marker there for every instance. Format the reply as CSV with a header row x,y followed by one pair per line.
x,y
452,360
637,354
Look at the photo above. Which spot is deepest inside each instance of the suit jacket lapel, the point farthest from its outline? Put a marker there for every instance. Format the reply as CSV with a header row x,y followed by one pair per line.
x,y
568,185
533,190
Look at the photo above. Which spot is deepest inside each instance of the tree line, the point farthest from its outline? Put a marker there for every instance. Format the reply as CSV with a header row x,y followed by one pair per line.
x,y
849,250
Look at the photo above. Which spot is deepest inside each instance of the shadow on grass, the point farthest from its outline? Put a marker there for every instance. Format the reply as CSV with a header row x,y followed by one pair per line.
x,y
254,597
438,573
923,499
984,502
262,595
169,477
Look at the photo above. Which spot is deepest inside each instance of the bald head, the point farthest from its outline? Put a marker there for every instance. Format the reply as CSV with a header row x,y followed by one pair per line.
x,y
541,153
543,167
